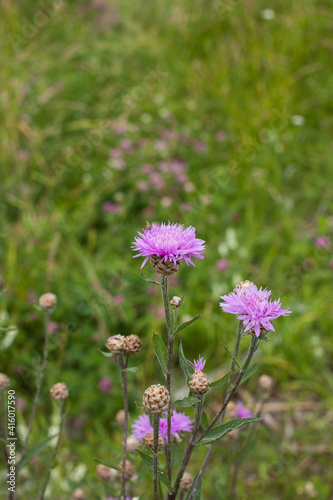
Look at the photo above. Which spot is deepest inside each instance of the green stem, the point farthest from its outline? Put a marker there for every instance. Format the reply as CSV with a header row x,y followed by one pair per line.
x,y
189,449
252,349
156,424
38,390
166,304
62,420
123,366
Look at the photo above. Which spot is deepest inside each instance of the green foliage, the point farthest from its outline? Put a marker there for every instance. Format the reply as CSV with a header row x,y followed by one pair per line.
x,y
219,431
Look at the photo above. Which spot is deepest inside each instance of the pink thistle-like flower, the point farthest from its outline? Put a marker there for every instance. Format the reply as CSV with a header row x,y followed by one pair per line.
x,y
253,307
199,364
169,241
242,412
179,423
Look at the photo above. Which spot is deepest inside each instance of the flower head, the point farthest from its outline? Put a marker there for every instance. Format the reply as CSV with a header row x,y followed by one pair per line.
x,y
179,423
199,364
170,242
253,307
242,412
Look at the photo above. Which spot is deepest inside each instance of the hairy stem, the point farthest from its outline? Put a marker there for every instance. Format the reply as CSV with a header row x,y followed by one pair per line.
x,y
189,449
156,424
164,288
123,366
38,390
230,393
62,420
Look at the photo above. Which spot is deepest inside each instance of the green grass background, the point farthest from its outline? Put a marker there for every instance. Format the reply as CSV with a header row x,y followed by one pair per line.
x,y
71,71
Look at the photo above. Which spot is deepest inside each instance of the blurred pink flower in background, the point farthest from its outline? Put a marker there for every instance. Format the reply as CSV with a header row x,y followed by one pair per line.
x,y
120,128
322,242
222,264
200,146
23,155
242,412
110,208
160,145
220,135
31,296
119,299
143,186
115,153
147,169
166,201
20,404
118,163
126,145
52,327
105,385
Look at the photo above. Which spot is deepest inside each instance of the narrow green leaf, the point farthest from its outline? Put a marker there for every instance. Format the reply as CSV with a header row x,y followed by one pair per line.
x,y
187,369
165,480
219,383
107,463
250,371
186,324
219,431
106,354
142,496
161,352
132,369
187,402
232,357
146,459
149,462
197,495
148,451
36,450
139,405
150,280
204,420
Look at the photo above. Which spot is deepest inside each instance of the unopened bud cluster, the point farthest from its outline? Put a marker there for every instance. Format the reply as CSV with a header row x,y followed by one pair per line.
x,y
265,383
176,301
47,301
242,286
129,469
149,440
59,391
166,267
186,482
156,399
79,494
4,381
118,344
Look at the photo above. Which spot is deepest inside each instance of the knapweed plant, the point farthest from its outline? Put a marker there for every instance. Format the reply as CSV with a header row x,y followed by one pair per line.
x,y
161,426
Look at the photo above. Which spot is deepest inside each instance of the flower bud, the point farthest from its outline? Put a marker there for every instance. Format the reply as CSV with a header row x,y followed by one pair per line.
x,y
134,344
120,417
47,301
186,482
265,383
176,301
156,399
79,494
59,391
4,381
117,344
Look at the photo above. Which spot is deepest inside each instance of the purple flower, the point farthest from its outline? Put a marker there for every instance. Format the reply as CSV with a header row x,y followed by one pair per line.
x,y
169,241
179,423
322,242
222,264
253,307
52,327
105,385
199,364
242,412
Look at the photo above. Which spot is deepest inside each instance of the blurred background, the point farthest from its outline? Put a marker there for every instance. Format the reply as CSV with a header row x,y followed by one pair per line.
x,y
213,114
